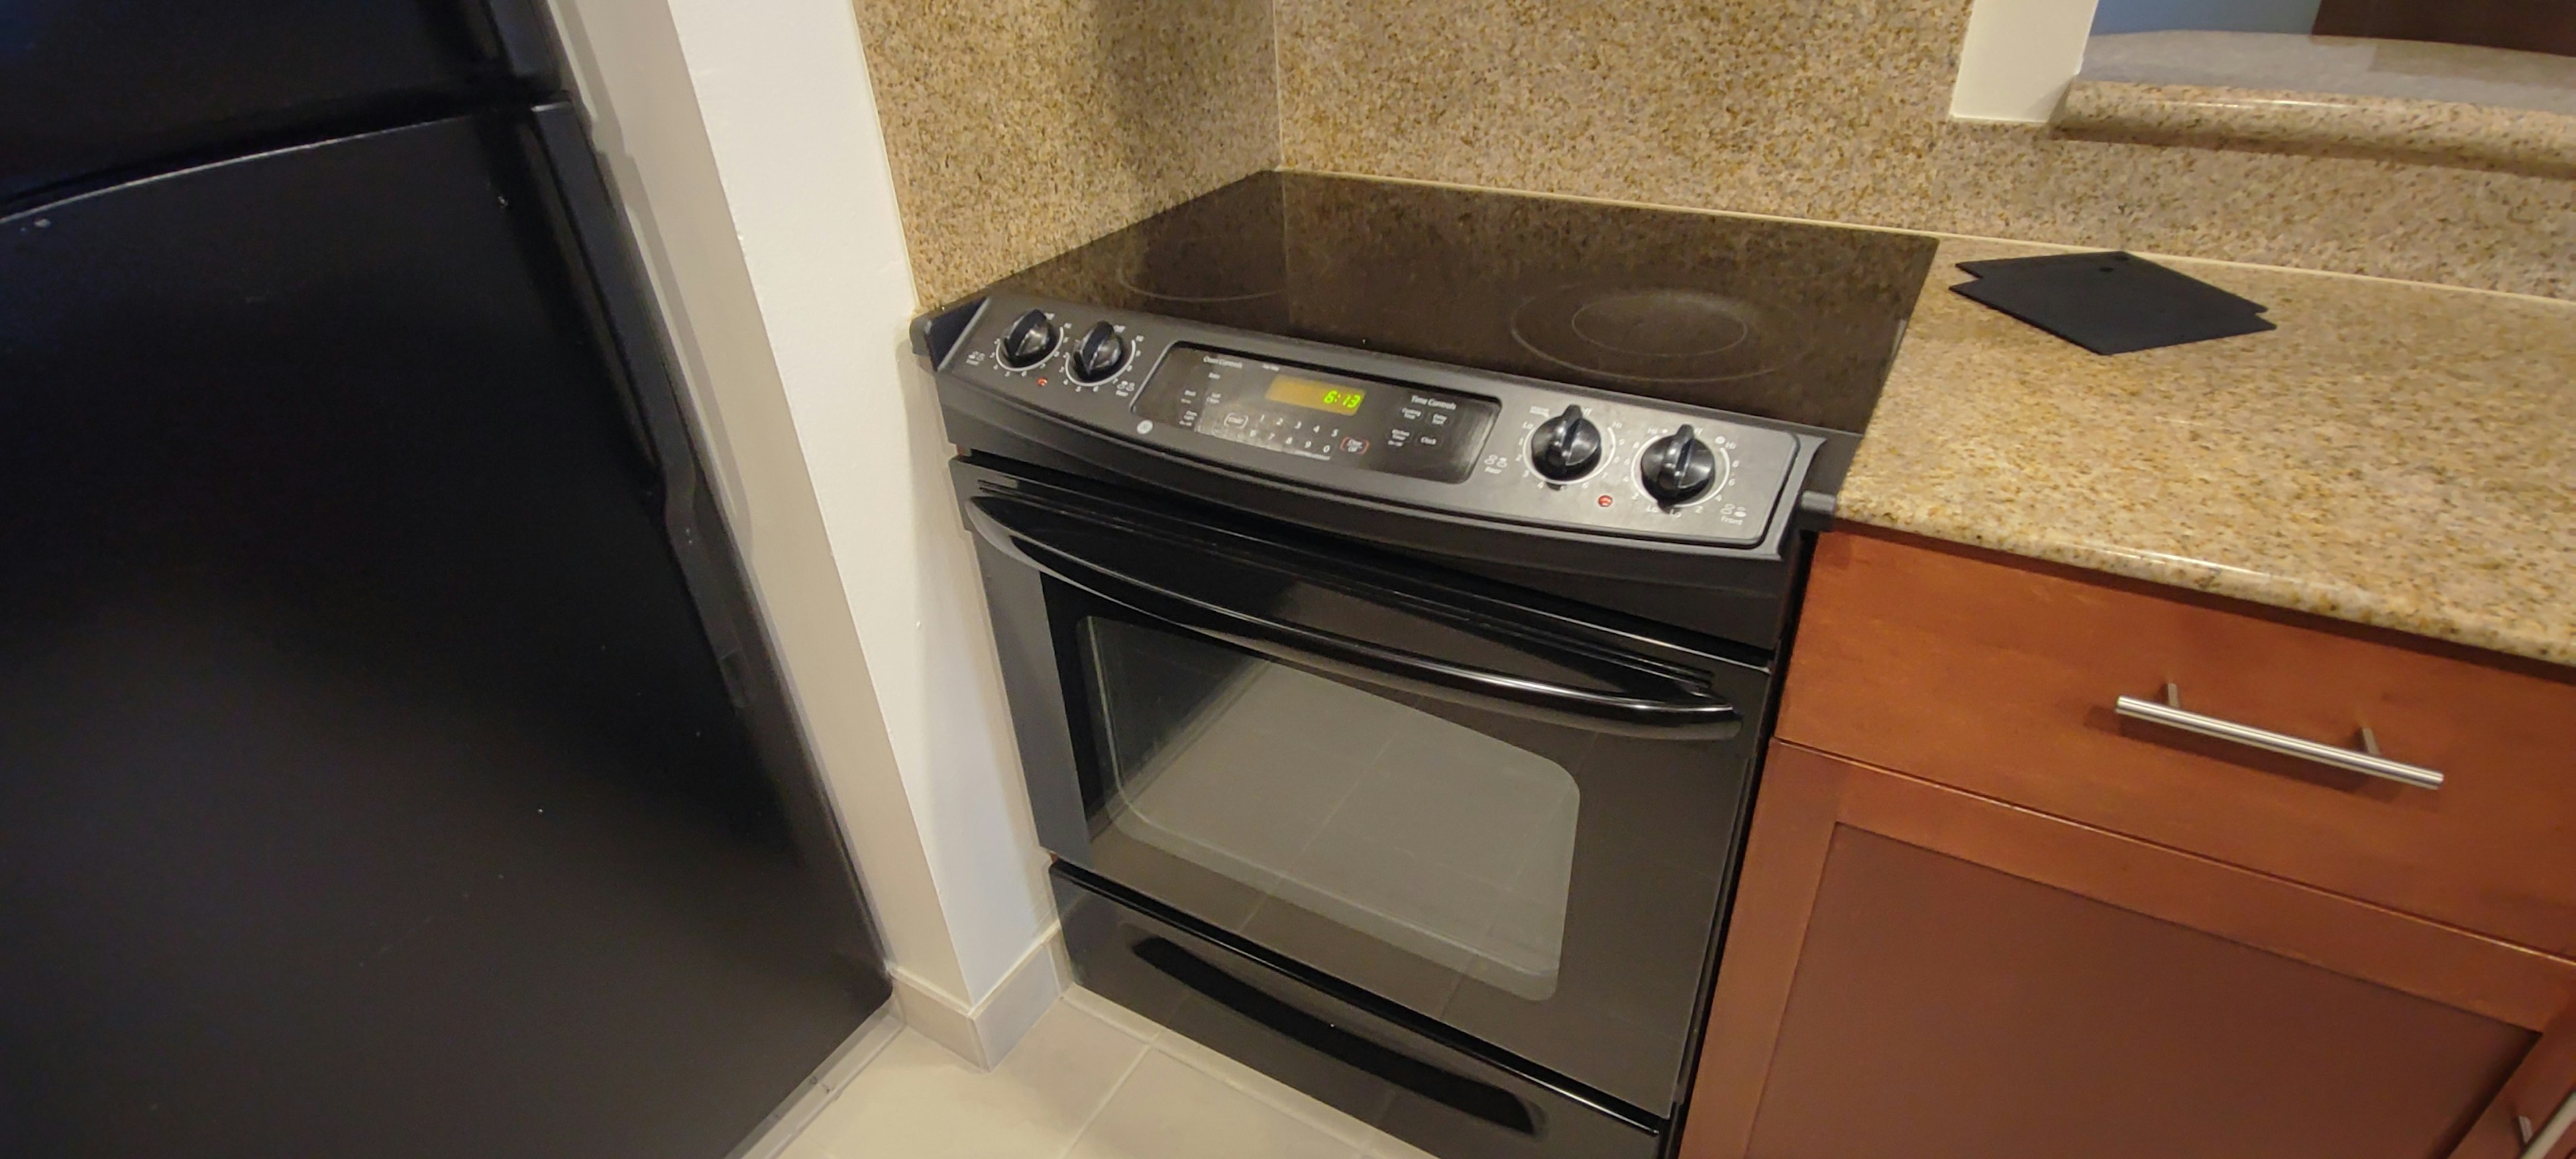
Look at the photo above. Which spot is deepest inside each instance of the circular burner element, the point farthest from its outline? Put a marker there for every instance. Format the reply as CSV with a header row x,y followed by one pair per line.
x,y
1652,333
1662,323
1197,286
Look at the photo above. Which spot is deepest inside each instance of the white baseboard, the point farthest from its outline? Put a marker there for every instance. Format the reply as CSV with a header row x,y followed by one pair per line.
x,y
780,1129
985,1033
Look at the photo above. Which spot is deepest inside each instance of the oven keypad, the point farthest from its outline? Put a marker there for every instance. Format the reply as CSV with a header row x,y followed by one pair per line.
x,y
1361,424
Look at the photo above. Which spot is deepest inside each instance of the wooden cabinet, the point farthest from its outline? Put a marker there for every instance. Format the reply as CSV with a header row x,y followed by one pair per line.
x,y
1999,678
1994,939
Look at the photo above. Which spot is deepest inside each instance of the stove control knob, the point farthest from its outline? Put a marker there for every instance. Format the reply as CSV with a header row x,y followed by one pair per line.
x,y
1100,353
1677,468
1565,447
1029,340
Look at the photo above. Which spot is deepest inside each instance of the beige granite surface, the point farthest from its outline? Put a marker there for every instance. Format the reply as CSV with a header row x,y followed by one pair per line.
x,y
1021,128
1837,110
2420,132
2464,74
2397,455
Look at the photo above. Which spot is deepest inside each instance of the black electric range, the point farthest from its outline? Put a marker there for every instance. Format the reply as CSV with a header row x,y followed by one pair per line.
x,y
1784,320
1390,583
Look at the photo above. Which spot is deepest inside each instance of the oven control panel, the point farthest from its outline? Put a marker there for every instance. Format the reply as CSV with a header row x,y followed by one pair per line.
x,y
1396,430
1415,431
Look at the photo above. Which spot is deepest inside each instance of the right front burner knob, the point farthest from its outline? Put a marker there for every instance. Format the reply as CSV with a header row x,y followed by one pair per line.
x,y
1677,468
1564,448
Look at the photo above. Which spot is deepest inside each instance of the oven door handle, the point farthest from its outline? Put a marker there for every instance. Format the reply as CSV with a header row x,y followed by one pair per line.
x,y
1674,707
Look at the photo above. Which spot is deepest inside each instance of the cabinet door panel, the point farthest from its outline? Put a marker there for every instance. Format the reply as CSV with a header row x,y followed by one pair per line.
x,y
1914,969
1944,1009
2539,1087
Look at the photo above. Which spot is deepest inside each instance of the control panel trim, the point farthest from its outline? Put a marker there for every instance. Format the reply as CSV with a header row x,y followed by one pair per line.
x,y
1762,462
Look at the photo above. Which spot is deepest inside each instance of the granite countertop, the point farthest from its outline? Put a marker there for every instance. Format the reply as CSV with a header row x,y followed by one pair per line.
x,y
2395,454
2412,70
2382,128
2453,105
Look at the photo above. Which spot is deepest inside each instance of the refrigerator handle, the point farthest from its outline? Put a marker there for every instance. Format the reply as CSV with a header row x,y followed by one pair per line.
x,y
620,303
616,297
527,41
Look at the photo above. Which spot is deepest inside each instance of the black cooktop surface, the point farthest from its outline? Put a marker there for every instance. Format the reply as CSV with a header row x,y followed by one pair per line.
x,y
1786,320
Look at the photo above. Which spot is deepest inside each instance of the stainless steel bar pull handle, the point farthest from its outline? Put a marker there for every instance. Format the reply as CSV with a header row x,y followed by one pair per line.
x,y
2546,1142
2365,760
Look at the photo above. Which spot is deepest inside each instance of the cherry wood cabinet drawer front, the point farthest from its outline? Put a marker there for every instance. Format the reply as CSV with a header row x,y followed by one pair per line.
x,y
2001,680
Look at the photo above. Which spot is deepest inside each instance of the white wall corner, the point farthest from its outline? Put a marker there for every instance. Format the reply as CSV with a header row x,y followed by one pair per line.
x,y
745,144
985,1033
2018,57
794,125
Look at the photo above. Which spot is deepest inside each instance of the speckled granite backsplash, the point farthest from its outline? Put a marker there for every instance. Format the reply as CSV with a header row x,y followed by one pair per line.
x,y
1838,111
1022,128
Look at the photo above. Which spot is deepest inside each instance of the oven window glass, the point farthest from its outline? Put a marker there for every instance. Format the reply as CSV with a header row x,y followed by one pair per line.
x,y
1365,808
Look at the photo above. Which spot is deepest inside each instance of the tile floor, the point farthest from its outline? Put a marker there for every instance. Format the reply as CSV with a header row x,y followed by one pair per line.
x,y
1091,1081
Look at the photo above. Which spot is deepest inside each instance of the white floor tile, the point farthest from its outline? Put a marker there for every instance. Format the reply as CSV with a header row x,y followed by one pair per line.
x,y
1168,1109
918,1101
1092,1079
1385,1146
1296,1103
1143,1029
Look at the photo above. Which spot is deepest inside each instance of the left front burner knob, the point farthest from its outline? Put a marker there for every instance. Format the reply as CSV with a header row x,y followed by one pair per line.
x,y
1100,353
1029,341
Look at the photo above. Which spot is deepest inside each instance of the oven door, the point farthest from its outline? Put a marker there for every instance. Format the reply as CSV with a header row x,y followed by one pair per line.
x,y
1507,817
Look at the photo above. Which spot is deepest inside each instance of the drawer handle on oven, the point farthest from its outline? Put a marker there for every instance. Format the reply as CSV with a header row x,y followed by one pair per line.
x,y
2365,760
1484,1100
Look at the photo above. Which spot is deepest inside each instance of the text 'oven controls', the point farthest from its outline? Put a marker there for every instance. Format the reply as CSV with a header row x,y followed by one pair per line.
x,y
1100,353
1677,468
1029,340
1565,447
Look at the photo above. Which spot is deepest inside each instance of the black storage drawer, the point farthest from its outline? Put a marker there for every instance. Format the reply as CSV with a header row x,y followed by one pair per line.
x,y
1439,1098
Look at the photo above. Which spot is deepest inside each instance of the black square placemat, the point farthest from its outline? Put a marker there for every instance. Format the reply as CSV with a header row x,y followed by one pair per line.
x,y
2111,303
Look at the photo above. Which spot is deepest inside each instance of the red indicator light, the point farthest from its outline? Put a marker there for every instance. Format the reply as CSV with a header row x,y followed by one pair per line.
x,y
1604,501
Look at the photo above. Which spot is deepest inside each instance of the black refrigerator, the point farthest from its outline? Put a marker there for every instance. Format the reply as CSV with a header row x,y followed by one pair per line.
x,y
391,760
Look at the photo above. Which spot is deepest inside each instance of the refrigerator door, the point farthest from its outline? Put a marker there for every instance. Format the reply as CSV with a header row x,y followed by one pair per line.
x,y
93,87
369,782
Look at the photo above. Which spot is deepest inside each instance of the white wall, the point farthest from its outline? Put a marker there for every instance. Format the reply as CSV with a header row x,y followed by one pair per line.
x,y
746,146
2017,58
2117,16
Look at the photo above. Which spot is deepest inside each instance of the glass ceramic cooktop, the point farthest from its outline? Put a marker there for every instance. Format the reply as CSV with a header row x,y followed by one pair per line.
x,y
1786,320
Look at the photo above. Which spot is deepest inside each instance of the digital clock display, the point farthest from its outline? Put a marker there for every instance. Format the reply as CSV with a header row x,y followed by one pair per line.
x,y
1331,420
1313,395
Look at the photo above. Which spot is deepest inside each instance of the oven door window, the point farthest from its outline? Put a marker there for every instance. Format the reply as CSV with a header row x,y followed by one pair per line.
x,y
1549,888
1361,808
